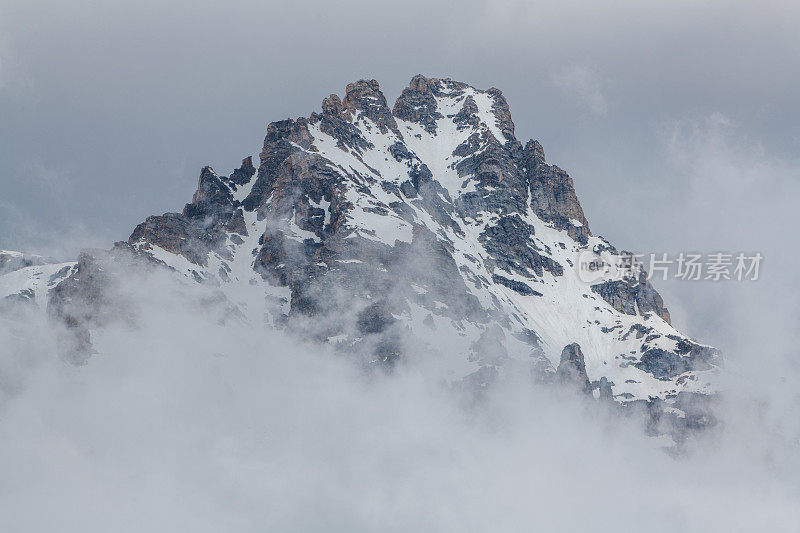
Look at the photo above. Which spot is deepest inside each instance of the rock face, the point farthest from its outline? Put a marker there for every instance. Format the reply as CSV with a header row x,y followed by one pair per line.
x,y
633,296
572,368
382,228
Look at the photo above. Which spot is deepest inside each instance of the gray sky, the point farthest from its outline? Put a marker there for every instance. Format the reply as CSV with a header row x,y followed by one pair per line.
x,y
677,120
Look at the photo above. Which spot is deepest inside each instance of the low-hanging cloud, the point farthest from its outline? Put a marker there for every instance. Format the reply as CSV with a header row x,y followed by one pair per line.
x,y
182,420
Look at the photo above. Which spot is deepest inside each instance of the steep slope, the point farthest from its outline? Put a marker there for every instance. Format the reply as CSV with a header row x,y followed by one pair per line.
x,y
380,229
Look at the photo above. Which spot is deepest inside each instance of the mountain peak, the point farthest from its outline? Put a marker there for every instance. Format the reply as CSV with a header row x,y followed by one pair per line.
x,y
381,230
364,93
417,102
365,96
535,148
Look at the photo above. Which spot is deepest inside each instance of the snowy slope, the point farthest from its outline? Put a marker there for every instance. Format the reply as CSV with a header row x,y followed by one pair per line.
x,y
32,283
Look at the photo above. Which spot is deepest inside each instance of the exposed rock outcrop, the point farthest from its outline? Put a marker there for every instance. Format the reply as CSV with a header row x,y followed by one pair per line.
x,y
633,296
553,197
417,103
572,368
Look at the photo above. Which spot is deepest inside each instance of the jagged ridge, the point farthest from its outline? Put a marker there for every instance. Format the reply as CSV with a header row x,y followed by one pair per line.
x,y
391,224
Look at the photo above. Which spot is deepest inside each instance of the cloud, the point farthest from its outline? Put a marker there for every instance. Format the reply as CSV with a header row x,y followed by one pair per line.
x,y
719,155
182,421
736,194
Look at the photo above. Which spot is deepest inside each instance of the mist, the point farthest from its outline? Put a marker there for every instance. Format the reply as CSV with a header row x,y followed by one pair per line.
x,y
185,420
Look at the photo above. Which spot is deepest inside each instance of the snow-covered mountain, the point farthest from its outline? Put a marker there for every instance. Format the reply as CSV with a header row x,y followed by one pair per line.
x,y
25,277
379,229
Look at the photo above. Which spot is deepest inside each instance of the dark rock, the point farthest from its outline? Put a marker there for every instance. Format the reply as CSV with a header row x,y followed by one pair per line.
x,y
640,330
25,297
400,153
606,394
467,117
628,295
572,368
408,189
663,364
510,245
213,200
365,96
553,197
517,286
276,155
374,319
536,149
243,174
417,102
178,234
502,112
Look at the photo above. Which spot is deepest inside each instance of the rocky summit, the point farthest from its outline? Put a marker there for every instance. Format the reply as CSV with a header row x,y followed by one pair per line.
x,y
381,230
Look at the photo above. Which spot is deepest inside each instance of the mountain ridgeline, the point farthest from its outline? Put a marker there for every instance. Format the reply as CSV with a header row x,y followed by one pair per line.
x,y
385,230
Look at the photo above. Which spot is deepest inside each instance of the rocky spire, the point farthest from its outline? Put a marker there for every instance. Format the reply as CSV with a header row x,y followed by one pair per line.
x,y
332,106
534,147
337,116
572,368
244,173
553,196
502,113
467,117
366,96
417,102
212,198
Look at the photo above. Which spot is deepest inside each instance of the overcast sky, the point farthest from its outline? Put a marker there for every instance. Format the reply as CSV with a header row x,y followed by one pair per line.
x,y
678,120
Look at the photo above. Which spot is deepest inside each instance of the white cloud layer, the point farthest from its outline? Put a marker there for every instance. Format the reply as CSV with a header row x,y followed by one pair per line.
x,y
182,423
